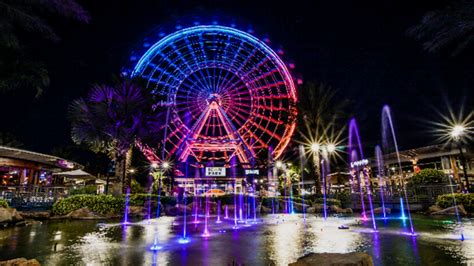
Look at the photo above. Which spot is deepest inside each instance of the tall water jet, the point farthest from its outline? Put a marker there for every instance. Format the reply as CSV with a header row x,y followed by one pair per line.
x,y
226,212
196,197
184,239
387,124
234,174
354,132
369,195
458,217
381,174
218,212
402,210
302,163
323,175
206,216
127,202
353,157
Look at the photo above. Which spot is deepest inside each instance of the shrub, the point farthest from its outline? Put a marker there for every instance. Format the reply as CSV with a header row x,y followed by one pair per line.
x,y
446,200
3,203
102,204
344,197
88,190
427,176
136,188
329,202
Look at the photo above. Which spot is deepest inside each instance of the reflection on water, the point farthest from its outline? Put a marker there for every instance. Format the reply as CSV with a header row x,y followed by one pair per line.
x,y
275,241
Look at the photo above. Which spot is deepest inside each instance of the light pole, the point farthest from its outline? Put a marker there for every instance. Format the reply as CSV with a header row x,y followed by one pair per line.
x,y
457,132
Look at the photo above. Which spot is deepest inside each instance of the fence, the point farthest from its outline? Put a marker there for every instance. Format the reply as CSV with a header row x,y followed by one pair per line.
x,y
420,197
32,197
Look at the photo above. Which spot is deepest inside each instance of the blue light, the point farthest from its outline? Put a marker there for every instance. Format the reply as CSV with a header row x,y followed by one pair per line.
x,y
156,247
184,240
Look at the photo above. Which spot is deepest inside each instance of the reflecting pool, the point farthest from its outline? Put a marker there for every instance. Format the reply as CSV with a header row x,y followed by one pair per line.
x,y
273,240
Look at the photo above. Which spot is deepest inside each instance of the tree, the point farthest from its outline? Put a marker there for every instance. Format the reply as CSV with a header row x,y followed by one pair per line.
x,y
323,117
17,69
450,28
9,140
110,120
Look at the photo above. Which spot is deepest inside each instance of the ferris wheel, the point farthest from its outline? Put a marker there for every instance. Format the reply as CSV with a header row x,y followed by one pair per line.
x,y
223,92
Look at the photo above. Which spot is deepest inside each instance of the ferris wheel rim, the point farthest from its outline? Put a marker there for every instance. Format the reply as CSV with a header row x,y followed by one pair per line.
x,y
153,51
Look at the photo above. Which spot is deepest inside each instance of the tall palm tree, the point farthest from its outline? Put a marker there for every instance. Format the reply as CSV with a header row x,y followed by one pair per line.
x,y
17,70
451,27
323,117
111,120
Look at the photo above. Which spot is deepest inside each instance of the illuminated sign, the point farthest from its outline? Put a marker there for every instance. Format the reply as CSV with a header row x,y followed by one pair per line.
x,y
252,172
359,163
215,171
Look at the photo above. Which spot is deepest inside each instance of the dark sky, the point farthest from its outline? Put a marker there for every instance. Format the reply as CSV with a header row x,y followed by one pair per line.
x,y
359,47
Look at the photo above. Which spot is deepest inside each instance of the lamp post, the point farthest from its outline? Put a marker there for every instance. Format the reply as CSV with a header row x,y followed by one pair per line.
x,y
457,132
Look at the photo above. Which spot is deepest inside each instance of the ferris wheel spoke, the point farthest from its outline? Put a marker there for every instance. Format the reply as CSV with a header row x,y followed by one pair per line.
x,y
203,65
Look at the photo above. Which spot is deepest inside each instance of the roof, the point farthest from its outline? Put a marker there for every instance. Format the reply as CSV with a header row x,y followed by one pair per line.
x,y
74,173
43,159
427,152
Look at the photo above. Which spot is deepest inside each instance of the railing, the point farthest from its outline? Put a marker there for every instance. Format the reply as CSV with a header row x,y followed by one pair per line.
x,y
423,195
27,197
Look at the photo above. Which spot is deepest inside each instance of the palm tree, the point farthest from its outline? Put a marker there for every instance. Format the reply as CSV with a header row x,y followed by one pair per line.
x,y
110,120
17,70
323,117
451,27
9,140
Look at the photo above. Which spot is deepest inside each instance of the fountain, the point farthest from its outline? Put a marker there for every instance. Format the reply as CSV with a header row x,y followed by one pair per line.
x,y
196,198
323,175
206,216
380,169
458,217
387,124
302,163
127,202
234,174
354,131
218,221
356,174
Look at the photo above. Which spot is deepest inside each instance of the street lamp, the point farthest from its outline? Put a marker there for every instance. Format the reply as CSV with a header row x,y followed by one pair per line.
x,y
456,133
315,147
279,164
331,148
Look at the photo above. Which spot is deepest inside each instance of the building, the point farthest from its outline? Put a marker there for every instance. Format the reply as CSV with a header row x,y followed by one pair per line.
x,y
21,167
445,158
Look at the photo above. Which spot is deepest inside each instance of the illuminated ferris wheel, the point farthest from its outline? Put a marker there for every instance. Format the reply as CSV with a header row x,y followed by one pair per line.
x,y
224,94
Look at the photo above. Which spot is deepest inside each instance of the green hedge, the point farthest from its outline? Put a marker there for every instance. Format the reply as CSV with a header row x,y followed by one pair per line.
x,y
329,202
428,176
102,204
3,203
88,190
467,200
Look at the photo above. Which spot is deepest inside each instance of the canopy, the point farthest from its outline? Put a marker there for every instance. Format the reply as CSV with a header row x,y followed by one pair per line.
x,y
74,173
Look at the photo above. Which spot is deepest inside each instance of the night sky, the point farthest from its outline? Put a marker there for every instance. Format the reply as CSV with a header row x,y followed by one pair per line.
x,y
358,47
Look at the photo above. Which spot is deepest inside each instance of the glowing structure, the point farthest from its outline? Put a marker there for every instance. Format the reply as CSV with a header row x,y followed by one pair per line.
x,y
223,94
